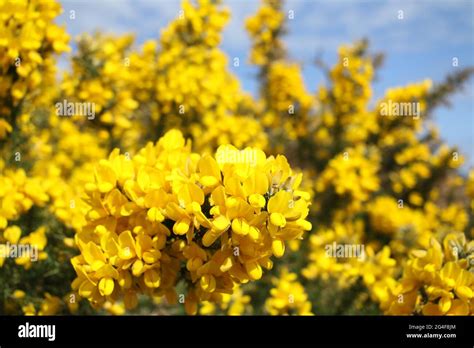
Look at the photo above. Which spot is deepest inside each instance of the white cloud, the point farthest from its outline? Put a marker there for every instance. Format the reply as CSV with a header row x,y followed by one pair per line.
x,y
143,17
426,25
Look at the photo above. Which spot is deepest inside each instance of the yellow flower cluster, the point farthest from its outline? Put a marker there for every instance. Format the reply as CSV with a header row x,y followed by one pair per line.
x,y
167,211
67,169
191,62
188,208
375,269
265,28
351,77
194,88
201,23
344,103
36,239
288,297
99,76
73,148
5,128
392,126
407,227
387,216
415,169
413,228
288,102
28,41
437,281
286,87
351,175
320,264
50,305
18,193
241,131
233,304
66,195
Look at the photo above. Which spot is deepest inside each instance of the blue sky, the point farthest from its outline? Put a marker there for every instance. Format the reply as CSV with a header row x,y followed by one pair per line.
x,y
419,46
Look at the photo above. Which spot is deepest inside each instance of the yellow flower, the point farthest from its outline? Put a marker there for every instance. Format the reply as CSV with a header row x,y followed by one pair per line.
x,y
5,128
434,282
19,294
288,297
220,216
264,28
12,234
50,305
29,309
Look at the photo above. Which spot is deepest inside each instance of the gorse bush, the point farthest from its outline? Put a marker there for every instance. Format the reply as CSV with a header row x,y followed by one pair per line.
x,y
170,215
145,180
